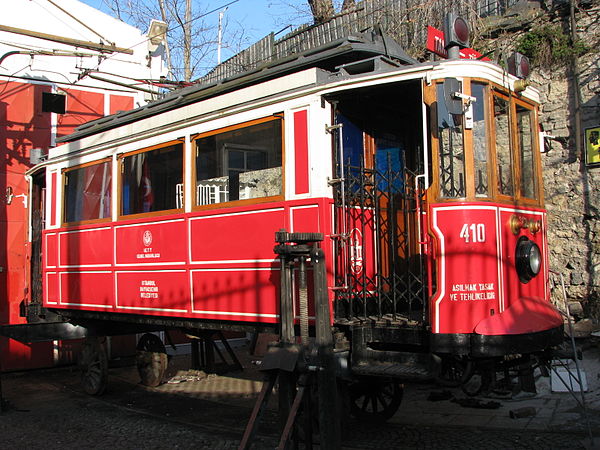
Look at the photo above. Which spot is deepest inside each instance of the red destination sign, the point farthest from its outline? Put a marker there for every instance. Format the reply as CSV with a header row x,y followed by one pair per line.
x,y
436,44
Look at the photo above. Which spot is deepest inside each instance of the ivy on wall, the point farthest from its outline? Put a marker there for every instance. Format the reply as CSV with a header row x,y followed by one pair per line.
x,y
548,46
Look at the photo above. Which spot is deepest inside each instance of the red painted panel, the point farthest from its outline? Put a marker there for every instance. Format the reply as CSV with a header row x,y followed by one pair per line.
x,y
468,264
235,294
52,190
514,289
360,255
87,288
16,263
301,151
51,250
305,219
82,106
212,236
22,127
18,356
165,291
23,124
525,315
16,213
51,288
152,243
87,247
120,103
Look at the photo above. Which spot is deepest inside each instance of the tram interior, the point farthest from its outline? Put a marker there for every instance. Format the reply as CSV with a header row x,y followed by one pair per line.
x,y
382,153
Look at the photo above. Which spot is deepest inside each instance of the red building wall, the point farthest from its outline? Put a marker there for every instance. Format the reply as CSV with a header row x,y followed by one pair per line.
x,y
24,126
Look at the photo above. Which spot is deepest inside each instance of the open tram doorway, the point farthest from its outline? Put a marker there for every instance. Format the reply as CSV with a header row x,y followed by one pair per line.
x,y
378,159
37,224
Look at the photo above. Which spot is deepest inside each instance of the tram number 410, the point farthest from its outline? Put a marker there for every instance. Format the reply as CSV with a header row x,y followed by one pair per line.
x,y
474,232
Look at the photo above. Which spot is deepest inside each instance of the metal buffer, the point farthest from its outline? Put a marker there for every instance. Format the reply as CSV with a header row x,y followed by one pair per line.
x,y
304,367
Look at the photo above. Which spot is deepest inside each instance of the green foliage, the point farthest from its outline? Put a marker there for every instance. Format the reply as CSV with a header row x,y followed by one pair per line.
x,y
549,46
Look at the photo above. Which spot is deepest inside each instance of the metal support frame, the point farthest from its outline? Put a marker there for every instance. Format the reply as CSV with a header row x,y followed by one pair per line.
x,y
204,348
579,377
297,368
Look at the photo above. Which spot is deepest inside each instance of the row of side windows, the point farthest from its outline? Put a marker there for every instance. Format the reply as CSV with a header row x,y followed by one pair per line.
x,y
242,162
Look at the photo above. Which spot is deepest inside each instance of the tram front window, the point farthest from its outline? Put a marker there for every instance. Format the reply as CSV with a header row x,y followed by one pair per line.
x,y
525,137
451,149
480,140
503,148
240,162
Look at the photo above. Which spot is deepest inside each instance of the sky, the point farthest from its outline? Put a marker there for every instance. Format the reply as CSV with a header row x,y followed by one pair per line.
x,y
257,18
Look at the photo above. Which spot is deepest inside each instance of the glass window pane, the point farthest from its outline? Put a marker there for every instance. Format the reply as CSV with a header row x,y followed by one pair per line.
x,y
503,149
239,164
524,130
451,149
480,140
153,180
88,192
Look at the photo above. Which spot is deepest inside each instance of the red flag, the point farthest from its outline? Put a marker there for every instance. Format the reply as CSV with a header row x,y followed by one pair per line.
x,y
146,188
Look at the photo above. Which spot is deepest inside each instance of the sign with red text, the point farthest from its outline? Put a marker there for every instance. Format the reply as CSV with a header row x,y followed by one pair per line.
x,y
436,44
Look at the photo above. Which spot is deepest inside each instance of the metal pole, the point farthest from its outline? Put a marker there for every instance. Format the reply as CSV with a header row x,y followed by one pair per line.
x,y
219,40
187,41
329,425
68,41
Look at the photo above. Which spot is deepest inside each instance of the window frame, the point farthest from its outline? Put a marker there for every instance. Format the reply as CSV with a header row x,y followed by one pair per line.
x,y
64,172
120,161
511,142
249,201
513,99
537,166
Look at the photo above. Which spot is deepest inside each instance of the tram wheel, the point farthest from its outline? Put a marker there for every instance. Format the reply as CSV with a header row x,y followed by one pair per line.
x,y
93,363
375,400
151,360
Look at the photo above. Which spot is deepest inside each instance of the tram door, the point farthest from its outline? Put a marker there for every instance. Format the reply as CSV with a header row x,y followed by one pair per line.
x,y
38,194
379,270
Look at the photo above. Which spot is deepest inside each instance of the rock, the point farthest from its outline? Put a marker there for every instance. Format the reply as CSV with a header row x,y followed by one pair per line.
x,y
581,329
576,309
576,278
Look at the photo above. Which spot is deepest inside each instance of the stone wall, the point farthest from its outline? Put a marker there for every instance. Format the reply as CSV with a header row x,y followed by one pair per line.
x,y
572,191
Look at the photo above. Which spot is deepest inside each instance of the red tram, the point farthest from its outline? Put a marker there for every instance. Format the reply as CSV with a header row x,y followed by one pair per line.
x,y
424,179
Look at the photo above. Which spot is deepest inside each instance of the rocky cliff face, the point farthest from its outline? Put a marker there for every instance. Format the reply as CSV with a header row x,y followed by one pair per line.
x,y
572,190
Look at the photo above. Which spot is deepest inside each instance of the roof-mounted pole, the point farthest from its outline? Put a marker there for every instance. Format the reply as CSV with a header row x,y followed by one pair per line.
x,y
68,41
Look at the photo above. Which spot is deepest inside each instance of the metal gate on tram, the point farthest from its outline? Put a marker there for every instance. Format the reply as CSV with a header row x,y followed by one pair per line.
x,y
380,268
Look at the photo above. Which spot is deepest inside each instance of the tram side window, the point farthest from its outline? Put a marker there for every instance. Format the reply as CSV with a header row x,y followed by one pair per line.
x,y
451,149
525,138
88,192
480,140
503,148
152,180
239,163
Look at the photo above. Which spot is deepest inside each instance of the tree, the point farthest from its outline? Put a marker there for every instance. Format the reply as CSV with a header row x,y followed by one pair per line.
x,y
191,40
322,10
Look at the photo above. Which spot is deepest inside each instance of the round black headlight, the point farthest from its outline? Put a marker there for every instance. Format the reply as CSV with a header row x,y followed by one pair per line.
x,y
528,259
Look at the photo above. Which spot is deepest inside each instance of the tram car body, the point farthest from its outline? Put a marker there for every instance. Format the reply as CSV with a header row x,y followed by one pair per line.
x,y
424,179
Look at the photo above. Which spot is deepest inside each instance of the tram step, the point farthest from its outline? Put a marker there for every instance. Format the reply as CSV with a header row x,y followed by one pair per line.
x,y
407,370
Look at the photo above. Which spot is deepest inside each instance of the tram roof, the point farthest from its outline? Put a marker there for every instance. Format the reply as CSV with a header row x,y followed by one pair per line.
x,y
353,48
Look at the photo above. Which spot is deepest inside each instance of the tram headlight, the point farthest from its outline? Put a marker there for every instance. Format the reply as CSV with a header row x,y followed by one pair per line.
x,y
528,259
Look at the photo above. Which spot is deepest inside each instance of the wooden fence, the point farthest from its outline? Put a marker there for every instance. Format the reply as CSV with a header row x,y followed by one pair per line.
x,y
404,20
